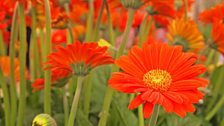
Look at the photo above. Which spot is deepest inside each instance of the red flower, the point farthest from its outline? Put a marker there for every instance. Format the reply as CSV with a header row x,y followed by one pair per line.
x,y
215,13
58,78
162,75
79,58
59,37
218,36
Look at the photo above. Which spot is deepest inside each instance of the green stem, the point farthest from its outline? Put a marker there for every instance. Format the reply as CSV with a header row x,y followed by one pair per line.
x,y
75,102
109,92
2,45
126,32
140,116
210,57
12,81
89,24
66,106
215,109
5,98
71,88
88,93
141,31
22,62
33,48
70,37
154,115
47,50
97,28
216,89
144,30
110,25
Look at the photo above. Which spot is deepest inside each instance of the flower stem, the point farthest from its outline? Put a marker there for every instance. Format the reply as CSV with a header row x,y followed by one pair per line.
x,y
110,25
22,62
126,32
2,45
109,91
140,116
215,109
33,49
75,102
97,27
66,106
47,50
154,116
5,98
89,21
12,81
218,86
70,36
144,30
87,95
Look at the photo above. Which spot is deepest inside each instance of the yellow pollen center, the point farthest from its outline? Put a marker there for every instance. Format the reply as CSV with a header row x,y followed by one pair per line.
x,y
158,79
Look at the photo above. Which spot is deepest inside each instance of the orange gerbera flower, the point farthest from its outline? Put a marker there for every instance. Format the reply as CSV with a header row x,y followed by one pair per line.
x,y
59,78
78,58
161,74
185,33
5,66
218,36
215,13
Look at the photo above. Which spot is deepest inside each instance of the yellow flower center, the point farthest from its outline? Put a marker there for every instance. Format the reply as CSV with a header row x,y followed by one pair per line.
x,y
158,79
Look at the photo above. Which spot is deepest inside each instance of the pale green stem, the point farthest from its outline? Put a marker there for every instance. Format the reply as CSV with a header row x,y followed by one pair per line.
x,y
33,48
87,95
66,106
5,98
70,37
22,62
12,81
89,24
71,89
2,45
109,92
47,51
140,116
216,108
110,25
97,27
144,30
154,115
75,102
216,89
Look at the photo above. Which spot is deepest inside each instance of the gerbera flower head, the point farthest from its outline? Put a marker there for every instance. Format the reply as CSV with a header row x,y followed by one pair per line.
x,y
185,32
162,75
212,14
79,58
218,36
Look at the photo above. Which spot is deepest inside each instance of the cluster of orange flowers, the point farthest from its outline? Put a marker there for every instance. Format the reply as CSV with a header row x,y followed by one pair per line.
x,y
157,72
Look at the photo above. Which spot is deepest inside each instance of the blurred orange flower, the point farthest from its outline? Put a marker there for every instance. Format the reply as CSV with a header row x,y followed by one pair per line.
x,y
185,32
5,66
161,74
